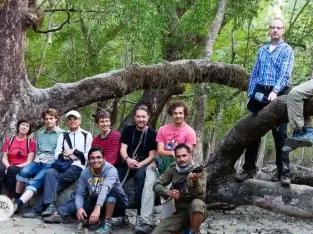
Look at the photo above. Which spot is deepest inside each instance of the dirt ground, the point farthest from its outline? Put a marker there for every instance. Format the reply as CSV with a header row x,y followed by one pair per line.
x,y
243,220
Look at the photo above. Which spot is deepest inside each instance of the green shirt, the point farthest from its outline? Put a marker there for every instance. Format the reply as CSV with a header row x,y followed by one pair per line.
x,y
46,144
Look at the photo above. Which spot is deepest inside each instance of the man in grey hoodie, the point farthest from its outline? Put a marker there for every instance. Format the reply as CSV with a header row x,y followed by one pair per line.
x,y
98,185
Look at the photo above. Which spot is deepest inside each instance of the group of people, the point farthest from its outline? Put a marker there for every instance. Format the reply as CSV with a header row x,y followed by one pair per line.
x,y
57,158
157,161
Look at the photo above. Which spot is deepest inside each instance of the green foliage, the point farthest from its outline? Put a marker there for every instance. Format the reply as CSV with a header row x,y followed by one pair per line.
x,y
111,34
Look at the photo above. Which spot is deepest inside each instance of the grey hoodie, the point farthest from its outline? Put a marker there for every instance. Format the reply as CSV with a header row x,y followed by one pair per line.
x,y
99,187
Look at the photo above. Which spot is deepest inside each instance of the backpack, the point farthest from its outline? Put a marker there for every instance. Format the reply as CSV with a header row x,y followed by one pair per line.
x,y
27,145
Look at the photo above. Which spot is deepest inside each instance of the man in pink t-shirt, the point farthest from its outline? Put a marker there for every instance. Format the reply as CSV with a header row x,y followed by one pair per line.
x,y
168,137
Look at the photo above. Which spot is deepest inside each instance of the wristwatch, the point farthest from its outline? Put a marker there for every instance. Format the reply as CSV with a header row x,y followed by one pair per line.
x,y
275,91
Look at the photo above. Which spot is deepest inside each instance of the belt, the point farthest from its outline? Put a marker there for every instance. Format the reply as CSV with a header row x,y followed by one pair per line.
x,y
267,87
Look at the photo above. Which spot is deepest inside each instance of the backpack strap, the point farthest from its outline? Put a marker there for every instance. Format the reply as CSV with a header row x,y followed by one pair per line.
x,y
28,145
66,137
85,140
10,142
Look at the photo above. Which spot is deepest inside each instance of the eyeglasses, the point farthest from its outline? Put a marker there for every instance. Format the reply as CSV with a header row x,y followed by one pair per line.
x,y
274,27
72,119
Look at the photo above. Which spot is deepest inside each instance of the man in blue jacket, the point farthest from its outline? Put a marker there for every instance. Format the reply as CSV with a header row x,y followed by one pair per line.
x,y
98,190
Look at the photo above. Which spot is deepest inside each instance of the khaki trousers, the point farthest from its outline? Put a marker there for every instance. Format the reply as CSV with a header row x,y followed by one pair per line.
x,y
295,102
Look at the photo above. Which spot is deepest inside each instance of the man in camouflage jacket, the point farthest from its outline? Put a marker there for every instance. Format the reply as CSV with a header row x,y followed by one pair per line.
x,y
188,193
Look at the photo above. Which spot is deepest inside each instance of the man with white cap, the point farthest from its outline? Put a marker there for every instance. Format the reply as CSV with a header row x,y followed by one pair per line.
x,y
71,156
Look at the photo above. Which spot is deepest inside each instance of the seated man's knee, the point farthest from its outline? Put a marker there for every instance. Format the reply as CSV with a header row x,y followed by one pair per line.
x,y
51,172
197,205
151,176
294,93
24,174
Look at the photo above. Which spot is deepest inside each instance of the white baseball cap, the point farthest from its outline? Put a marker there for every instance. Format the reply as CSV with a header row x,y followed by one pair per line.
x,y
72,112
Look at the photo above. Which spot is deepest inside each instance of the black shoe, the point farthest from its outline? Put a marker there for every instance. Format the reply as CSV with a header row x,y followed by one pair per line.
x,y
284,180
244,176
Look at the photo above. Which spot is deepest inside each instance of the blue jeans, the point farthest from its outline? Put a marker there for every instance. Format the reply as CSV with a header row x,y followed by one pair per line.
x,y
54,182
36,171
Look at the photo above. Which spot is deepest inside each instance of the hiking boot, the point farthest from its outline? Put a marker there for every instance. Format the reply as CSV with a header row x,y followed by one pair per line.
x,y
301,139
284,180
287,149
142,227
244,176
122,222
30,215
54,218
49,211
106,228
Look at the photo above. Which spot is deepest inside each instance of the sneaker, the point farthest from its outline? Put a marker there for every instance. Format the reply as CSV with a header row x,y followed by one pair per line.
x,y
49,211
301,139
244,176
54,218
30,215
142,227
284,180
287,149
106,228
122,222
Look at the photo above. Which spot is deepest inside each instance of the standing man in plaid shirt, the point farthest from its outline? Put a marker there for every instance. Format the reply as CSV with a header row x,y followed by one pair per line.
x,y
269,79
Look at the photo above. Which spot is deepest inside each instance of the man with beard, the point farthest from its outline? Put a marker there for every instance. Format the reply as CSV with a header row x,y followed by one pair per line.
x,y
269,79
188,193
168,137
138,149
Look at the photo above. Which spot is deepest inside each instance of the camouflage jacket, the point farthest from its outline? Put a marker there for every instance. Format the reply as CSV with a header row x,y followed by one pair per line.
x,y
196,189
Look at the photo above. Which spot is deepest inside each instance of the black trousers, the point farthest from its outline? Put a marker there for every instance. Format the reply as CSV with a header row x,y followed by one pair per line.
x,y
279,135
9,179
282,158
139,176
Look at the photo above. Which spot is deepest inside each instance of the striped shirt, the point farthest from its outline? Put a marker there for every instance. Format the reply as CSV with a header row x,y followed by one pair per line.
x,y
272,68
110,146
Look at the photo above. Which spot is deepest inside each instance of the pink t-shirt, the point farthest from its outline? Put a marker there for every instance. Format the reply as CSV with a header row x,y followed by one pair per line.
x,y
171,137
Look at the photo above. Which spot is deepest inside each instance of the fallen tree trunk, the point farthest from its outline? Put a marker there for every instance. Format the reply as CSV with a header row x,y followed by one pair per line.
x,y
295,200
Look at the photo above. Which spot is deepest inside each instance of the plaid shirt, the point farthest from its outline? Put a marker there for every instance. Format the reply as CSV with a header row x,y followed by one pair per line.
x,y
272,68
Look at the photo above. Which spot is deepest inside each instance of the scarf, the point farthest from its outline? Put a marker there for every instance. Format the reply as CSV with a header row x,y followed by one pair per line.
x,y
185,169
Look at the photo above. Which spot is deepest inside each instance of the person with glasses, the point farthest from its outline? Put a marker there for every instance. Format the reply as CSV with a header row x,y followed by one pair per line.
x,y
33,174
98,190
269,79
72,147
18,152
